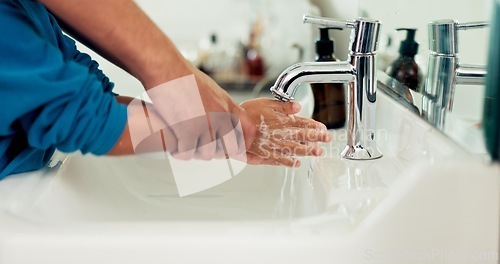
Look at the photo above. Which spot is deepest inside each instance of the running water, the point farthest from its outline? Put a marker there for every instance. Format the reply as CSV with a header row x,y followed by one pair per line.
x,y
285,207
291,211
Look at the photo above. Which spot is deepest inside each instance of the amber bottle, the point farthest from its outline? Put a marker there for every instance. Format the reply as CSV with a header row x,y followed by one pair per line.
x,y
404,69
329,98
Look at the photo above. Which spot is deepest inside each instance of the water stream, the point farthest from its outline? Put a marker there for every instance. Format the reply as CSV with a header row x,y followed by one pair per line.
x,y
285,207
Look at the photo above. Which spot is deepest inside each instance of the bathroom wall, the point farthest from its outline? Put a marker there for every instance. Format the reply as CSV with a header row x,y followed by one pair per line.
x,y
189,24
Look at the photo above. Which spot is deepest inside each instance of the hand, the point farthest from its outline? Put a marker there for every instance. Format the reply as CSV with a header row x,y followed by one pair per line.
x,y
281,135
217,100
203,118
147,131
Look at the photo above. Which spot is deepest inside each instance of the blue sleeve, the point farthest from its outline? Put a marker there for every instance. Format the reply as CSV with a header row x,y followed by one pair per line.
x,y
85,60
58,98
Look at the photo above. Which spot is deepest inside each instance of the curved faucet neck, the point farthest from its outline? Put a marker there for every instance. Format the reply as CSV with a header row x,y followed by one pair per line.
x,y
311,72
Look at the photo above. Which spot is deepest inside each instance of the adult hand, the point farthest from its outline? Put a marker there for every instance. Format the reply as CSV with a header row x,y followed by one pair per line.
x,y
203,118
280,135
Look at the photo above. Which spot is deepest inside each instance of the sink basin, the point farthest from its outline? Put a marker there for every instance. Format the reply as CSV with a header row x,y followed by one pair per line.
x,y
426,200
140,189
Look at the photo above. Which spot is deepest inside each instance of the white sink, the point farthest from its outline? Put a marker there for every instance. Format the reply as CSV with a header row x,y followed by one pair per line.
x,y
425,200
138,189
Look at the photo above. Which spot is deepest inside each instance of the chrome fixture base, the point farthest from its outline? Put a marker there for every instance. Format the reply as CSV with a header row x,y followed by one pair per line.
x,y
360,153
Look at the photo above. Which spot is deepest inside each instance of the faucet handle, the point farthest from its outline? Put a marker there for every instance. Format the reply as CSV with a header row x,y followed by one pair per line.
x,y
472,25
443,34
364,36
327,22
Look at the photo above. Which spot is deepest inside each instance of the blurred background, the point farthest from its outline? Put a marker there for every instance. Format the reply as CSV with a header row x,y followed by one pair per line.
x,y
243,43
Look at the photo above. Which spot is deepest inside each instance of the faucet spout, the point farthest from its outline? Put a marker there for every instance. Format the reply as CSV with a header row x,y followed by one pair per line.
x,y
288,82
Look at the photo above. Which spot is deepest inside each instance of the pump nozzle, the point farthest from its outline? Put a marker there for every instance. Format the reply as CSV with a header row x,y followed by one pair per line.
x,y
325,45
409,47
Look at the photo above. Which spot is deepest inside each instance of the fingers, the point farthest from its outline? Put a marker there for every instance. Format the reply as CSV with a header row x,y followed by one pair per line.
x,y
300,135
289,108
274,157
289,148
303,122
256,160
205,148
295,164
191,134
227,131
281,152
284,160
248,126
297,149
185,149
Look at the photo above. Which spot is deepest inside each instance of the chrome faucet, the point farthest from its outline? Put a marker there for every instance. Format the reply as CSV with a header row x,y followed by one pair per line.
x,y
358,72
444,70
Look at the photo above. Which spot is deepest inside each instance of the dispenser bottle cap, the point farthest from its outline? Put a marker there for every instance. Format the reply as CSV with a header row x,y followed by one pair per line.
x,y
409,47
325,45
213,38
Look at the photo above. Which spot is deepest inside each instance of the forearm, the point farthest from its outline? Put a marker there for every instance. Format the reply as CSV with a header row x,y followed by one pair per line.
x,y
124,144
124,34
140,119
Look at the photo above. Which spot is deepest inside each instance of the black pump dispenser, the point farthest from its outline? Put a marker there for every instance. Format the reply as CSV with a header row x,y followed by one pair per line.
x,y
409,47
324,45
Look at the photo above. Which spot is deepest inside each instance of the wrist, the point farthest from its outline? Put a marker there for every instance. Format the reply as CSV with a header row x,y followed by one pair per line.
x,y
157,69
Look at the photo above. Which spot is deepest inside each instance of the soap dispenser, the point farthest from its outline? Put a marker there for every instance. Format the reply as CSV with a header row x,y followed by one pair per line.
x,y
329,98
404,69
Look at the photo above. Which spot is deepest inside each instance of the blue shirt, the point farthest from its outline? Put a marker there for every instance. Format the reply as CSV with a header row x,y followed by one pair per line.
x,y
51,95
